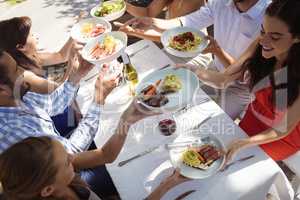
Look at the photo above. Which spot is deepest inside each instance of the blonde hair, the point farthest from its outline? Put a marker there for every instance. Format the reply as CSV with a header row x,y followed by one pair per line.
x,y
27,167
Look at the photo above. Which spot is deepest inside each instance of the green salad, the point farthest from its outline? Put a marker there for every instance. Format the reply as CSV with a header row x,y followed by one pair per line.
x,y
109,7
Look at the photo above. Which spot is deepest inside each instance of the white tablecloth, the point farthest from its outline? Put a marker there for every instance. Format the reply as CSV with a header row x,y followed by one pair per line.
x,y
249,180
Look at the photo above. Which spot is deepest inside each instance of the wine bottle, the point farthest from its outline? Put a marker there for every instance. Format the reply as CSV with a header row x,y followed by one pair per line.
x,y
130,72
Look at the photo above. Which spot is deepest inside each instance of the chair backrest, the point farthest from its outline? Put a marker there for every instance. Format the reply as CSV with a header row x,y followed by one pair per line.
x,y
293,162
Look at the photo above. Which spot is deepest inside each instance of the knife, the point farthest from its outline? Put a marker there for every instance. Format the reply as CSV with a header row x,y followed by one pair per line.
x,y
185,194
164,67
138,155
237,161
202,122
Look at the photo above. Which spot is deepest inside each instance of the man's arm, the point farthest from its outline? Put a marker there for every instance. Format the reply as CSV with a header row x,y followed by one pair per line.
x,y
152,28
107,154
111,149
84,134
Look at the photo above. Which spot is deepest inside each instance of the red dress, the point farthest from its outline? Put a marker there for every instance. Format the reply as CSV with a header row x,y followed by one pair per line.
x,y
260,116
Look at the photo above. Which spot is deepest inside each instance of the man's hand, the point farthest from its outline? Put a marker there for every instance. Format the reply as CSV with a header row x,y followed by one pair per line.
x,y
140,27
103,88
213,46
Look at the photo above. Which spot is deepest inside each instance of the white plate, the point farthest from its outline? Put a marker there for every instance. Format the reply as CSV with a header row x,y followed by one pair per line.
x,y
112,16
169,34
121,39
190,83
190,172
76,29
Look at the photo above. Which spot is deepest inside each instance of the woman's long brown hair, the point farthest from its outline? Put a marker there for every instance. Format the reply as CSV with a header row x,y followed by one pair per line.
x,y
14,32
259,67
27,167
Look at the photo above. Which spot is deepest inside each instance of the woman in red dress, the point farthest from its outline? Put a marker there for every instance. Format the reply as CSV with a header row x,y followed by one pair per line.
x,y
272,120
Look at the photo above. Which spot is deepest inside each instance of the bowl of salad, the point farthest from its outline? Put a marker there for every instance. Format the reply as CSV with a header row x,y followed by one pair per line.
x,y
109,10
184,41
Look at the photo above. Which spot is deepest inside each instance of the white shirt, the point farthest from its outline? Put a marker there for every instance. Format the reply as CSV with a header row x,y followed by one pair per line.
x,y
234,31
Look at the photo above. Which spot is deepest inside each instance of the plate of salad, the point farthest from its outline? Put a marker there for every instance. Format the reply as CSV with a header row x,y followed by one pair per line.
x,y
109,10
184,41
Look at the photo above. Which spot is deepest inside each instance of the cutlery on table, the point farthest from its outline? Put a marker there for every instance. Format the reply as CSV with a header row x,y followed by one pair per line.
x,y
137,156
185,194
165,146
185,108
237,161
165,66
202,122
186,143
139,50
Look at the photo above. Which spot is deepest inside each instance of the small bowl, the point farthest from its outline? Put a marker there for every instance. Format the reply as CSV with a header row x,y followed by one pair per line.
x,y
112,16
167,127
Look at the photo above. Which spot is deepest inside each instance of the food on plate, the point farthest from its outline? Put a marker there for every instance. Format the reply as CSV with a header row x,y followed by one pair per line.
x,y
92,30
187,41
201,157
157,100
150,90
154,94
109,7
106,48
151,96
171,83
167,126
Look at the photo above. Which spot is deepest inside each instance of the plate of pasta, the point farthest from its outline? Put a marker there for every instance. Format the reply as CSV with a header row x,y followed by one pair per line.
x,y
199,160
184,42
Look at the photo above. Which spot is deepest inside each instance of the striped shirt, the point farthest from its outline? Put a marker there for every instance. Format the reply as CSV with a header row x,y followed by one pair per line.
x,y
32,118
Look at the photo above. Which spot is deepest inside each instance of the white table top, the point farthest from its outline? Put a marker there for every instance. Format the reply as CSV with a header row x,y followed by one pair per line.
x,y
249,180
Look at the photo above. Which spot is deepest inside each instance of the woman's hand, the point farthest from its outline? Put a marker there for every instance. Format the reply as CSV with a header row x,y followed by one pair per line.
x,y
213,46
167,184
175,179
190,67
234,147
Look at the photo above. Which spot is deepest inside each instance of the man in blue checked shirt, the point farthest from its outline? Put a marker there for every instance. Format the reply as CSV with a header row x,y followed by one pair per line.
x,y
24,113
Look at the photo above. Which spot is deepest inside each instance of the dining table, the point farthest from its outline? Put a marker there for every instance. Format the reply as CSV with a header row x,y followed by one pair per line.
x,y
251,179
